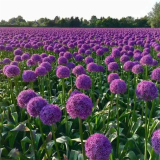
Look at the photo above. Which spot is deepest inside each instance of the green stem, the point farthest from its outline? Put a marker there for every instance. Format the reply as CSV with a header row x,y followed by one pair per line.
x,y
111,106
117,108
54,137
146,135
81,134
146,72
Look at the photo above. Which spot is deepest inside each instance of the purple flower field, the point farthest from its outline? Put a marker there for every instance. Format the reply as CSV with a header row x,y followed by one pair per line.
x,y
79,94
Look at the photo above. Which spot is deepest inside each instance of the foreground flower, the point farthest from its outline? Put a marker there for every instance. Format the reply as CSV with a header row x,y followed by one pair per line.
x,y
29,76
98,147
156,74
155,140
63,72
12,71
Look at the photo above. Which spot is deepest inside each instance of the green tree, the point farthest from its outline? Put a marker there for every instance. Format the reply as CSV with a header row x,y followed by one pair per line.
x,y
154,16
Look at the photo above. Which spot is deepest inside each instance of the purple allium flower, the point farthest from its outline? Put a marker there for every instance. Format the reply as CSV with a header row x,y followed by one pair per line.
x,y
98,147
99,52
28,76
27,45
155,75
81,50
108,60
146,60
50,114
40,71
9,48
62,61
158,55
112,76
68,55
70,65
100,68
17,58
124,58
155,62
62,72
155,140
92,67
30,62
46,59
78,70
47,65
6,61
14,63
79,105
25,56
87,52
36,58
157,48
4,68
18,51
137,56
2,47
74,54
50,48
116,53
128,65
75,92
118,86
52,58
24,97
83,82
12,71
35,105
146,90
43,55
113,66
88,60
78,58
137,69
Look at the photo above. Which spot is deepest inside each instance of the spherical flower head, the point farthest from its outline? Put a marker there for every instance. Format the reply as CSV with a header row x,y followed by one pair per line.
x,y
113,66
158,55
112,76
157,48
92,67
75,92
35,105
81,50
98,147
108,60
83,82
68,55
124,58
137,69
78,58
9,48
146,60
50,48
62,61
17,58
116,53
155,75
2,47
100,68
36,58
63,72
87,52
128,65
155,140
40,71
12,71
29,76
30,62
52,58
18,51
70,65
6,61
99,52
88,60
4,68
78,70
24,97
79,105
147,91
47,65
155,62
118,86
25,56
137,56
43,55
50,114
46,59
14,63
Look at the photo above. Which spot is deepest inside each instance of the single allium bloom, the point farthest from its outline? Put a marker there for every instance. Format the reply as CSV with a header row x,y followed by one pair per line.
x,y
115,53
99,52
35,105
100,68
30,62
83,82
88,60
17,58
36,58
155,75
47,65
62,61
137,69
78,70
14,63
75,92
155,62
112,76
98,147
92,67
46,59
12,71
68,55
118,86
155,140
108,60
18,51
79,105
137,56
146,60
25,56
24,97
147,91
124,58
52,58
28,76
63,72
40,71
50,114
78,58
128,65
113,66
6,61
43,55
70,65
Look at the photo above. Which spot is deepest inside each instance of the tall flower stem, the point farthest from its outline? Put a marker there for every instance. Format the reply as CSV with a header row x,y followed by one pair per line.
x,y
49,88
81,134
128,83
146,134
111,106
54,137
146,72
117,109
100,82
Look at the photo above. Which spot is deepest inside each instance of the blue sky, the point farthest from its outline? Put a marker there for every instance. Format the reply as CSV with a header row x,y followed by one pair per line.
x,y
35,9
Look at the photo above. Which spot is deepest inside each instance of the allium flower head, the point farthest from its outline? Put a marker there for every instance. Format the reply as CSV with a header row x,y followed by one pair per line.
x,y
137,69
156,74
18,51
88,60
79,105
17,58
146,60
62,61
40,71
75,92
43,55
14,63
6,61
113,66
47,65
92,67
29,76
70,65
155,140
98,147
52,58
12,71
35,105
36,58
50,114
78,58
147,91
30,62
112,76
128,65
99,52
25,56
78,70
24,97
124,58
116,53
63,72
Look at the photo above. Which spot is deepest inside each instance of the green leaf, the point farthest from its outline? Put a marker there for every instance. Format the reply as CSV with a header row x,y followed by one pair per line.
x,y
80,157
36,139
131,155
15,117
73,155
24,141
21,127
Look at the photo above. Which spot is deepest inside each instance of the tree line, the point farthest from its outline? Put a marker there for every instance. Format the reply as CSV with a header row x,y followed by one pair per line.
x,y
152,20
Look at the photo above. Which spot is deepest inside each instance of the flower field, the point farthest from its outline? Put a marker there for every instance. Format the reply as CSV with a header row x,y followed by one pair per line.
x,y
79,94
